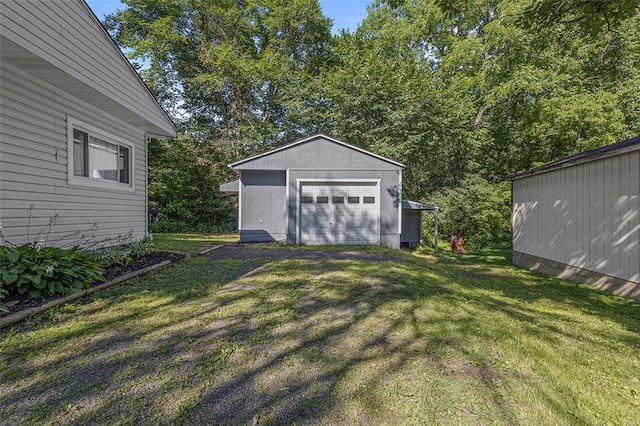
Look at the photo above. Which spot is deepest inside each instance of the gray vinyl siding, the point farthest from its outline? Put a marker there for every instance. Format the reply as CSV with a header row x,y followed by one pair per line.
x,y
318,154
264,192
269,186
586,216
33,164
68,46
411,227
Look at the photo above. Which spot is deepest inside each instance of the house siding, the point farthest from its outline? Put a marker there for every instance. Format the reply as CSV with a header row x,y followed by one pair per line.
x,y
585,216
67,46
33,164
411,227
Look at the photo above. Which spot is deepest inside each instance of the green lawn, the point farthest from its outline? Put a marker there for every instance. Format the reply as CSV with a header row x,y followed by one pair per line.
x,y
191,243
417,340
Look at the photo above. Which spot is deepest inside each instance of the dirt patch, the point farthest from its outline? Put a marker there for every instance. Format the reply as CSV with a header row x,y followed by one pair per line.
x,y
259,251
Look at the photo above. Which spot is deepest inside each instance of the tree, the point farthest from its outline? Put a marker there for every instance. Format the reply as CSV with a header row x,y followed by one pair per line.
x,y
229,72
470,89
184,177
230,64
464,93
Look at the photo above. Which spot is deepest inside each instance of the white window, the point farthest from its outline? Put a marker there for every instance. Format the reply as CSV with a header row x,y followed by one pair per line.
x,y
98,159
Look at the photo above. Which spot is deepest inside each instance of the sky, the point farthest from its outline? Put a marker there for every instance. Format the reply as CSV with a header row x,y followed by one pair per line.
x,y
346,14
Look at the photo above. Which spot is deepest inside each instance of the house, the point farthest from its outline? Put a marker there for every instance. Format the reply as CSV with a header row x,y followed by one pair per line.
x,y
320,191
75,119
579,218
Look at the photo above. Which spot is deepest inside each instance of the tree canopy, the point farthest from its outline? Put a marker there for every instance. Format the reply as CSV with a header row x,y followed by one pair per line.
x,y
463,93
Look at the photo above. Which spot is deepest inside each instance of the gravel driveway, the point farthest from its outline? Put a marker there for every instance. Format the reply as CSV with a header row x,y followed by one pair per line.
x,y
263,251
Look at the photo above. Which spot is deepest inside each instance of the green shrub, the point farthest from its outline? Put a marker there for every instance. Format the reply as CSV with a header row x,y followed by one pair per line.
x,y
3,294
113,257
120,257
142,248
36,270
478,209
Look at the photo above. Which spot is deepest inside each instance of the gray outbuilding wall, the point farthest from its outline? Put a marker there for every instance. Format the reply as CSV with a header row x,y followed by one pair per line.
x,y
269,194
265,217
579,218
411,228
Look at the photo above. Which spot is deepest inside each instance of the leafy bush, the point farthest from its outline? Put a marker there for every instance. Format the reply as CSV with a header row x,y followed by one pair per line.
x,y
184,177
121,256
477,209
36,270
113,257
3,293
142,248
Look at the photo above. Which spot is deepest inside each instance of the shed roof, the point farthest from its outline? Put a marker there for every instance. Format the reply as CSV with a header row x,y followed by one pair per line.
x,y
308,140
231,187
584,157
414,205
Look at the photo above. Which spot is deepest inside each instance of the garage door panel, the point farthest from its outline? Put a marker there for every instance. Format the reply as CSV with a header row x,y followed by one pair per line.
x,y
340,214
322,213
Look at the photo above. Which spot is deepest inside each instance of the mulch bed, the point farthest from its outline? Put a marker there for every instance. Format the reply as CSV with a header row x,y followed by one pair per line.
x,y
18,302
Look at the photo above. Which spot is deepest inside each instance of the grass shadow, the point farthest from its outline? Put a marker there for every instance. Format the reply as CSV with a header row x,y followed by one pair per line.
x,y
439,339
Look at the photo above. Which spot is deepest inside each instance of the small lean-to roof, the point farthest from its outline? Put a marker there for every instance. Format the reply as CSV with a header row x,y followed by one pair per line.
x,y
414,205
584,157
307,140
231,187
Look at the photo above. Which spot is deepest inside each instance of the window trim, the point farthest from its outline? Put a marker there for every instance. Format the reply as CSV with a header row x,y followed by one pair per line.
x,y
95,183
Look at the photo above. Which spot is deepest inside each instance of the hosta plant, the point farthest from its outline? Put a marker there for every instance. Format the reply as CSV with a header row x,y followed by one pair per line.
x,y
37,270
3,293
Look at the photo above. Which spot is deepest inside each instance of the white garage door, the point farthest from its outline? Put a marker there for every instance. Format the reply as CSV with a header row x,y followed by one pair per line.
x,y
340,213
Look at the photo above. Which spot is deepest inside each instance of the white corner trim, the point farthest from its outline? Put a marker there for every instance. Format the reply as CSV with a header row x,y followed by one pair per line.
x,y
287,201
298,185
240,201
400,203
378,210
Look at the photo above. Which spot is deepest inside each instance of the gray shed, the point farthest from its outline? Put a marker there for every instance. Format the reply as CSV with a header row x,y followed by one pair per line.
x,y
319,190
579,218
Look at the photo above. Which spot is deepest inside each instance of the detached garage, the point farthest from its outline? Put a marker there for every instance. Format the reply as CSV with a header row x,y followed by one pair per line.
x,y
579,218
319,191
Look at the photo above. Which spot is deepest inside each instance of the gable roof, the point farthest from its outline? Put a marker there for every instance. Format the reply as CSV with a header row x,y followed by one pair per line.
x,y
311,139
583,157
64,44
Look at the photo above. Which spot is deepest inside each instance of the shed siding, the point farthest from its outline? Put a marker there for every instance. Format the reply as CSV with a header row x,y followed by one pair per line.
x,y
586,216
265,217
33,164
65,34
411,227
318,154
